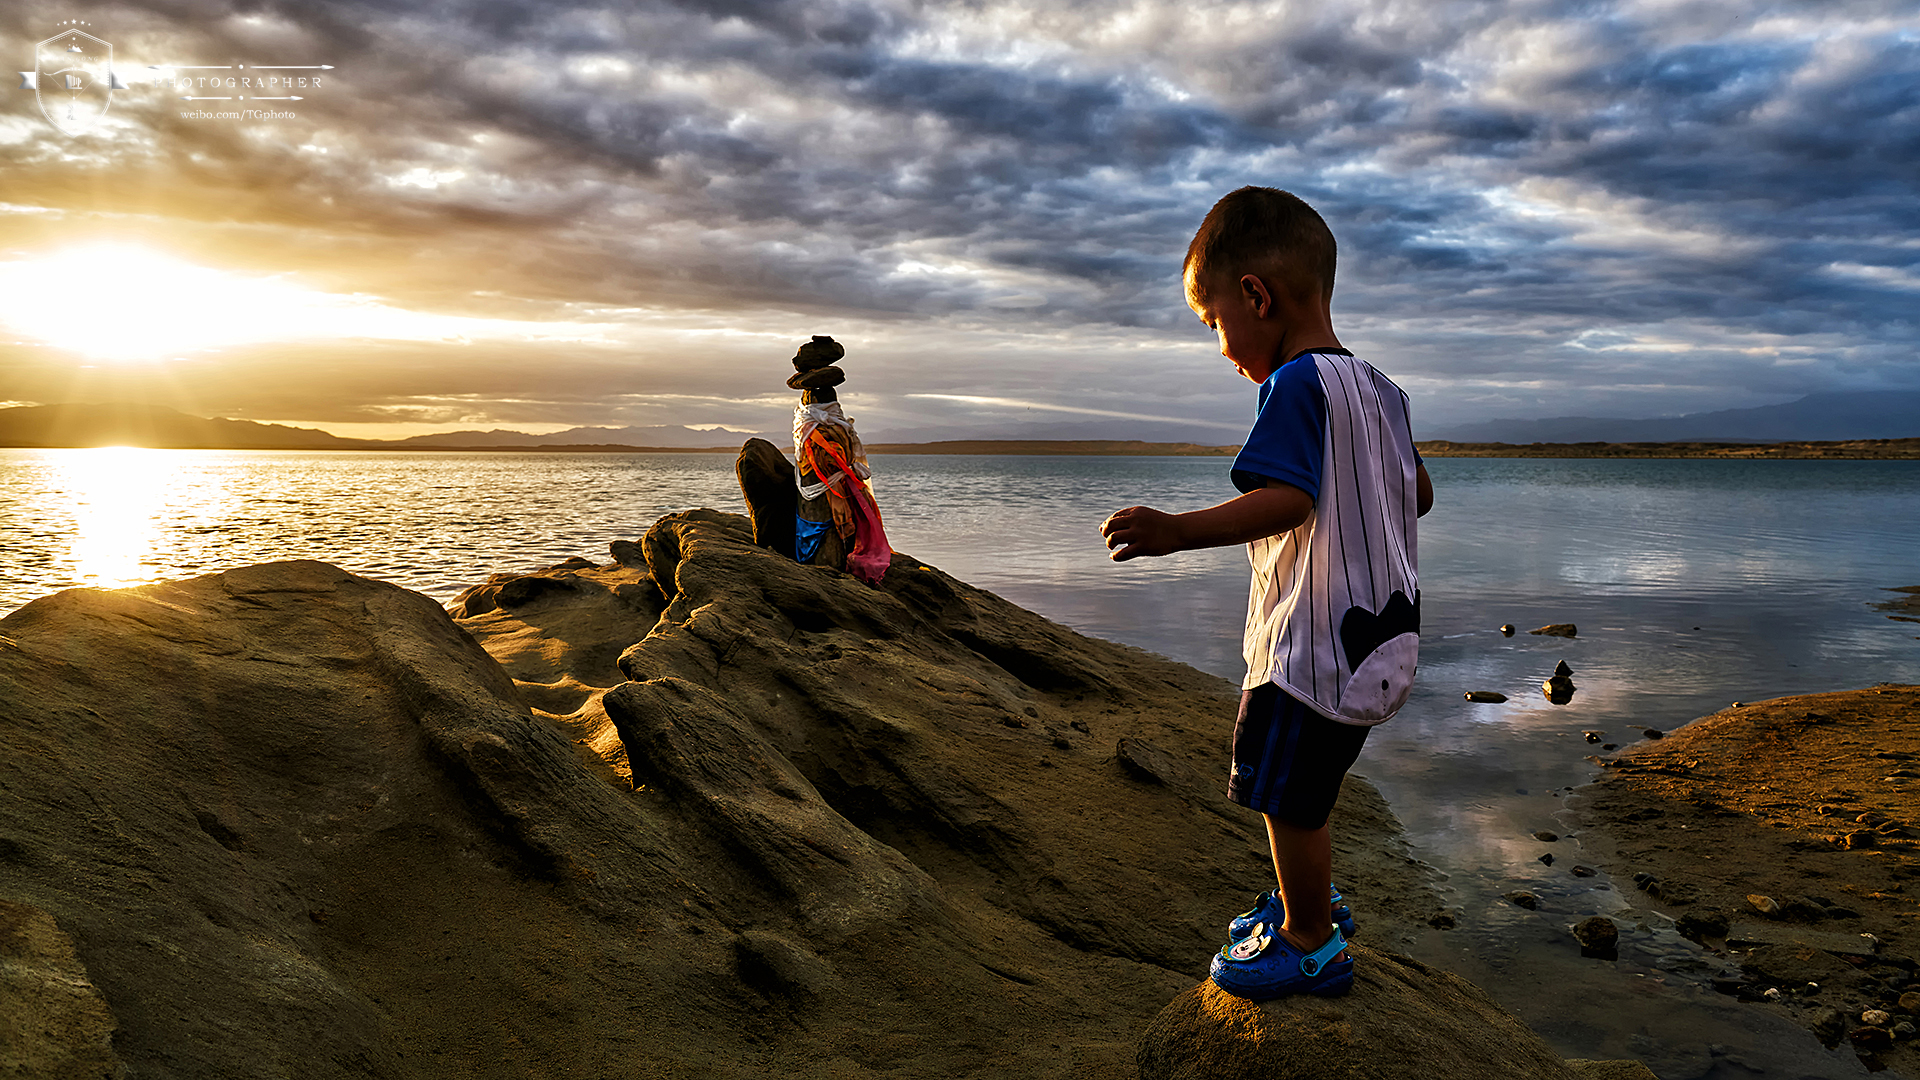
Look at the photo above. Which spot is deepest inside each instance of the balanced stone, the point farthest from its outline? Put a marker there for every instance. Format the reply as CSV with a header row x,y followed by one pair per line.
x,y
818,378
818,353
1558,689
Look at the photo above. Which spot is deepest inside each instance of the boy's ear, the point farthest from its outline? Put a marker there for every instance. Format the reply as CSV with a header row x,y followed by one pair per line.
x,y
1254,291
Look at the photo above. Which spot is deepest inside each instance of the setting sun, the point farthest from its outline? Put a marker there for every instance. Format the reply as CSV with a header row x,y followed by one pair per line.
x,y
120,302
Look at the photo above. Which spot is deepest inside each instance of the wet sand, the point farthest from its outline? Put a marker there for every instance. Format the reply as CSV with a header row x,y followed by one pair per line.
x,y
1811,802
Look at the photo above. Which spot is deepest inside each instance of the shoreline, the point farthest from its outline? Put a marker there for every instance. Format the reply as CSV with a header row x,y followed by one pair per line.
x,y
1783,837
1850,450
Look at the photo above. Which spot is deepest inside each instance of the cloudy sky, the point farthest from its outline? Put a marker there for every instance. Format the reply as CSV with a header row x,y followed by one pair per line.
x,y
504,213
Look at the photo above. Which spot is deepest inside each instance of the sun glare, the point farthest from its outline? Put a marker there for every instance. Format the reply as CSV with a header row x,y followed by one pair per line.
x,y
116,302
117,493
120,302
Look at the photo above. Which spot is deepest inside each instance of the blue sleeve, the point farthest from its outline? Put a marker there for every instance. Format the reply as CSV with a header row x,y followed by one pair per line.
x,y
1289,432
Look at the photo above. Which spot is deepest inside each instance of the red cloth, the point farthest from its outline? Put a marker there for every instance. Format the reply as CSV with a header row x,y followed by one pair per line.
x,y
871,554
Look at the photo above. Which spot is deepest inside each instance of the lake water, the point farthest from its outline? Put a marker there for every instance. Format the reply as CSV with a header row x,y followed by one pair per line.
x,y
1693,584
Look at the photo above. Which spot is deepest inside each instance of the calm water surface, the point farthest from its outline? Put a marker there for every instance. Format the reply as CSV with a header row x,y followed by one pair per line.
x,y
1693,583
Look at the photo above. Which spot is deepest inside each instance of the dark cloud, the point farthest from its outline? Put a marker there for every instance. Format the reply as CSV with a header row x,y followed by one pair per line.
x,y
1533,200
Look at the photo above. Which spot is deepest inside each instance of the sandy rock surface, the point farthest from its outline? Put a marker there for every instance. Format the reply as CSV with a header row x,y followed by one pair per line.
x,y
726,816
53,1023
1401,1019
1777,833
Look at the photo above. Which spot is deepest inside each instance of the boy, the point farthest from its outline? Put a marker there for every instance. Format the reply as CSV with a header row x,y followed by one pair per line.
x,y
1331,485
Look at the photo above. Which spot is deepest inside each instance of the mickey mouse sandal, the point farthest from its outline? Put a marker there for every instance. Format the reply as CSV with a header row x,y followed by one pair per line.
x,y
1267,908
1263,965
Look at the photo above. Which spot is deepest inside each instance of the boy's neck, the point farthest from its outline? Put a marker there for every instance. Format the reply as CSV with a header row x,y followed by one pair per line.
x,y
1292,345
1307,323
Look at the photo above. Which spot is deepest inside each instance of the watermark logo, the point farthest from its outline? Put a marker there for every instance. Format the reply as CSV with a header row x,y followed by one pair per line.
x,y
256,82
72,79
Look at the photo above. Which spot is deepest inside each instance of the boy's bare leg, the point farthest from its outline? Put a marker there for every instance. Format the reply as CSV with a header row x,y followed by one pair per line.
x,y
1303,861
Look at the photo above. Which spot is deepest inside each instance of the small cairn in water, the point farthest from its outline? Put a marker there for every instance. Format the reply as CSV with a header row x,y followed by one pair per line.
x,y
1559,689
821,512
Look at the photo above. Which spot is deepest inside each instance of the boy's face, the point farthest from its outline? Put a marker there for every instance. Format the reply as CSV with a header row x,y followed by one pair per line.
x,y
1241,313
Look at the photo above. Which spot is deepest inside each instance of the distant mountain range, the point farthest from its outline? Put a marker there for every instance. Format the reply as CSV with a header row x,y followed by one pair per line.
x,y
1816,417
121,424
657,435
1891,414
1154,431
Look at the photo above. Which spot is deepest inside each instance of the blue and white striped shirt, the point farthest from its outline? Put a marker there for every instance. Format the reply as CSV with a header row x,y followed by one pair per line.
x,y
1333,613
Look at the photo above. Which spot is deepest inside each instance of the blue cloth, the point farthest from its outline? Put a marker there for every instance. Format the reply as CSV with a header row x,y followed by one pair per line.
x,y
1289,430
807,536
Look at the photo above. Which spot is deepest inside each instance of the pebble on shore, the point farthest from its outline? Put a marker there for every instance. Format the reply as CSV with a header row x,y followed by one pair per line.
x,y
1598,938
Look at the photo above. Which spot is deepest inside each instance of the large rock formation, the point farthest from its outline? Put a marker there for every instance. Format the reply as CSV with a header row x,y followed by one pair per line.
x,y
722,816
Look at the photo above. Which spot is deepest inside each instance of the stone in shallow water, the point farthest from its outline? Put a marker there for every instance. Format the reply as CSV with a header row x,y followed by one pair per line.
x,y
1598,937
1559,629
1486,697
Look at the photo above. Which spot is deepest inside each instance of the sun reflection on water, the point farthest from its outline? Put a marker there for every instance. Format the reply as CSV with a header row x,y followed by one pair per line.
x,y
117,496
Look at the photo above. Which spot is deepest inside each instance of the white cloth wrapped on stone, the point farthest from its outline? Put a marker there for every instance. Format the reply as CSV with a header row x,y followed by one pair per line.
x,y
808,417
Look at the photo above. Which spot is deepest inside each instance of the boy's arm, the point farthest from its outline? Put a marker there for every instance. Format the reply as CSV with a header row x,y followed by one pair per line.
x,y
1267,511
1423,492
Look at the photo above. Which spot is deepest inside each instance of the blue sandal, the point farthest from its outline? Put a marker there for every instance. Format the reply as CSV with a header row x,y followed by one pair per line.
x,y
1267,908
1264,965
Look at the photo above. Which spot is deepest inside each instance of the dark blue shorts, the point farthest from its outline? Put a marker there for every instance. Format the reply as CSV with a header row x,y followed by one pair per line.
x,y
1287,759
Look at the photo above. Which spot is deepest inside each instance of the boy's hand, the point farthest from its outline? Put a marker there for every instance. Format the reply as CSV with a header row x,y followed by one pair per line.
x,y
1269,511
1140,530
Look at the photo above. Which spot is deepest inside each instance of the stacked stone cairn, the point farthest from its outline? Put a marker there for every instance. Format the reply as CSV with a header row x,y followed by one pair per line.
x,y
767,476
815,371
1559,689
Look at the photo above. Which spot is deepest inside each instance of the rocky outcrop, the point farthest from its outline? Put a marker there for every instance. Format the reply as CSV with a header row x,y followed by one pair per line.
x,y
722,815
297,823
53,1023
1401,1019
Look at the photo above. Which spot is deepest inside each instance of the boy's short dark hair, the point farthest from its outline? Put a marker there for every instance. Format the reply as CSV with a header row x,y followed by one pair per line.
x,y
1264,231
